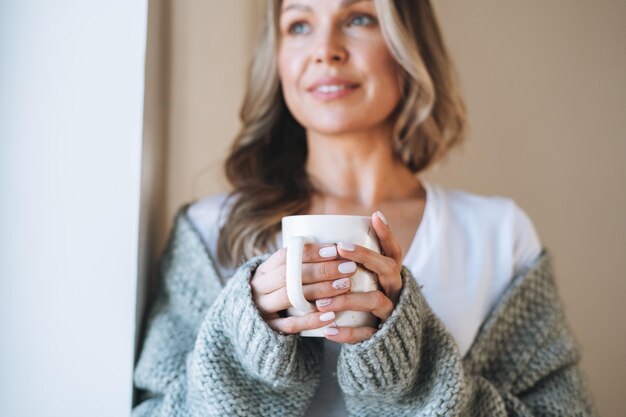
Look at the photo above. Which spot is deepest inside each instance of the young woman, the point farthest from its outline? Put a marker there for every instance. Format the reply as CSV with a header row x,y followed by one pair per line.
x,y
348,102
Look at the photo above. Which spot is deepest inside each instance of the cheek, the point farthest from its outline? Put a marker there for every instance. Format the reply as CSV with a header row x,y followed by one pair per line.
x,y
385,94
385,67
291,65
289,70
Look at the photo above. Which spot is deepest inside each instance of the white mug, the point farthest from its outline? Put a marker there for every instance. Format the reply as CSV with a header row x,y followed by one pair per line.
x,y
328,228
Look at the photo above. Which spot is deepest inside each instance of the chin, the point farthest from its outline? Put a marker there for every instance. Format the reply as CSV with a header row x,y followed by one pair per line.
x,y
339,128
333,124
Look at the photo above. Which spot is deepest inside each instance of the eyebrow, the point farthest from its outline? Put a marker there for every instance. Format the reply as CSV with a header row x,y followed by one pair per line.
x,y
344,3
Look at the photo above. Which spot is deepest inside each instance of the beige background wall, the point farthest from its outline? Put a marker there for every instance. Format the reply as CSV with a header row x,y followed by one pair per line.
x,y
546,91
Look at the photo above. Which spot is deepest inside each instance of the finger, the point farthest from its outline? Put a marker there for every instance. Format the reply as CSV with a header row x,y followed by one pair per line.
x,y
278,300
311,273
388,242
296,324
268,282
272,302
311,252
277,259
349,334
375,302
327,271
370,259
387,269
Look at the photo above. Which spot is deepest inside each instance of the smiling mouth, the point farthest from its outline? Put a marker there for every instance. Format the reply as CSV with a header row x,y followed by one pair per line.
x,y
333,91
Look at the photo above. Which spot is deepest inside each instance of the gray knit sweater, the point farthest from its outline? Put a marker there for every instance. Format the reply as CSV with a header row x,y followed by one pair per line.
x,y
208,352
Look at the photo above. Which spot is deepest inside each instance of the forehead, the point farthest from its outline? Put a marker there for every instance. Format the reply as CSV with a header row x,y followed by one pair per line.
x,y
305,5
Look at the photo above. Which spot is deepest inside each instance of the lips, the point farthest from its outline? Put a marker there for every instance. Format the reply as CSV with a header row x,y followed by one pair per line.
x,y
332,84
329,88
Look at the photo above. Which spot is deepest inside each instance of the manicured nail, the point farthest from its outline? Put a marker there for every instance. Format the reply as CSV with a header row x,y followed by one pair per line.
x,y
323,302
331,331
328,251
346,246
328,316
347,267
341,284
382,217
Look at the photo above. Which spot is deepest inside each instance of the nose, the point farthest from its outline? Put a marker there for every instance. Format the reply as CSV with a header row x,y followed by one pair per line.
x,y
330,49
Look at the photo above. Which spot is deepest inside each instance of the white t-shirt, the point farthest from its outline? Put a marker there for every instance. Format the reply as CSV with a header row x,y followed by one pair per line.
x,y
463,255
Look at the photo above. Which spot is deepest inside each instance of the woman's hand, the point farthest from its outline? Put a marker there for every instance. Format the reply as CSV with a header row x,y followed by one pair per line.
x,y
323,275
379,303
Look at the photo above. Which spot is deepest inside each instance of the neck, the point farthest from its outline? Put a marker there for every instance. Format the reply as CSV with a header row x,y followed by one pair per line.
x,y
359,168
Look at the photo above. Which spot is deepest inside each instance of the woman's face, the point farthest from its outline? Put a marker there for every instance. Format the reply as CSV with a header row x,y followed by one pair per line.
x,y
336,71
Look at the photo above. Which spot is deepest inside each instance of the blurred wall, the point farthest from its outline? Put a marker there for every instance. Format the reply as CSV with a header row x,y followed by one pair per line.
x,y
210,43
71,120
545,84
154,150
546,91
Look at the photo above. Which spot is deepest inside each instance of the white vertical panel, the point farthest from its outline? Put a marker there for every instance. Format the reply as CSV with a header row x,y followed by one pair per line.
x,y
71,103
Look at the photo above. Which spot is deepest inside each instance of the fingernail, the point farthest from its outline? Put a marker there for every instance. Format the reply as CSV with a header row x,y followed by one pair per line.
x,y
328,316
341,284
347,267
323,302
331,331
382,217
328,251
346,246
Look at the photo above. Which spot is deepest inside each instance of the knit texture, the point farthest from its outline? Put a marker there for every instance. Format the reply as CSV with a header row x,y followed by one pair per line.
x,y
208,352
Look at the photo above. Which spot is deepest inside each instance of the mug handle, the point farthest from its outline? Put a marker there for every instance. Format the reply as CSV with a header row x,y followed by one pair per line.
x,y
293,274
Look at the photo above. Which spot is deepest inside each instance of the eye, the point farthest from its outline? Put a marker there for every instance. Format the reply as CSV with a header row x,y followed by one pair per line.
x,y
362,20
298,28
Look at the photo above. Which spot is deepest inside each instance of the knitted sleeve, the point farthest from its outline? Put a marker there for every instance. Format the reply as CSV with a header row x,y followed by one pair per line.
x,y
524,361
207,351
